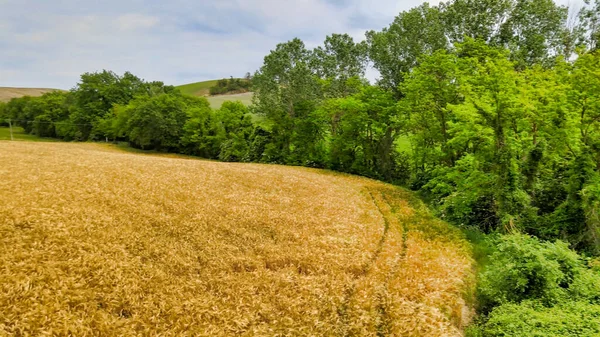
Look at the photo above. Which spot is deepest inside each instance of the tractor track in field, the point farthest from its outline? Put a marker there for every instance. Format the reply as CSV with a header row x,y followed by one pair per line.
x,y
383,320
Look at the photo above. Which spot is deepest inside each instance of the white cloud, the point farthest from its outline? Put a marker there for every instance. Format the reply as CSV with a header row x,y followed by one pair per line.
x,y
176,41
136,21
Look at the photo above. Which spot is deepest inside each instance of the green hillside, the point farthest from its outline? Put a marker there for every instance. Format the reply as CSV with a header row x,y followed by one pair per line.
x,y
217,101
202,89
198,88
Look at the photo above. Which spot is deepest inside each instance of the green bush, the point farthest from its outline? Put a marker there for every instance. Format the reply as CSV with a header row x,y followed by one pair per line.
x,y
523,268
534,319
225,86
534,288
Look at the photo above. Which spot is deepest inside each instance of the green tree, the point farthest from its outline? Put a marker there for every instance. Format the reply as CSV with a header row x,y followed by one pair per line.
x,y
96,94
590,18
476,19
202,134
48,112
534,31
338,61
397,49
237,127
156,122
285,89
429,90
362,131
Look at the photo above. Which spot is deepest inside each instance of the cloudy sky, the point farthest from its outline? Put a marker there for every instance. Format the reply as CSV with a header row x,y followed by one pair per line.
x,y
50,43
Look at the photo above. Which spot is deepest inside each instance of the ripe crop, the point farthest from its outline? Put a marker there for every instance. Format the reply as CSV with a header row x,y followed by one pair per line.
x,y
97,241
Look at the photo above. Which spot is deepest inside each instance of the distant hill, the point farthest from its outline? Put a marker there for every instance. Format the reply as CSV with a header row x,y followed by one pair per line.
x,y
198,88
8,93
194,89
203,89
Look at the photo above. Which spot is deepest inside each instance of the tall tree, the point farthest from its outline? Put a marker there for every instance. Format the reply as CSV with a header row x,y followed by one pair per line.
x,y
339,60
396,49
286,89
534,31
477,19
590,17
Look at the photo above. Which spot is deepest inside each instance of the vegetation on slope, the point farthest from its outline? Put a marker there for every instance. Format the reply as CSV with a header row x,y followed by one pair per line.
x,y
197,88
123,244
201,89
533,288
232,85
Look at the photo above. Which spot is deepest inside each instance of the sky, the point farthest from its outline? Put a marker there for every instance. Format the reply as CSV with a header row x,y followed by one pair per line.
x,y
49,44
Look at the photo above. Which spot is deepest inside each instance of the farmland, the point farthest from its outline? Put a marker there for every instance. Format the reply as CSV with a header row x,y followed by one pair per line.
x,y
217,101
7,93
20,134
98,241
197,88
202,89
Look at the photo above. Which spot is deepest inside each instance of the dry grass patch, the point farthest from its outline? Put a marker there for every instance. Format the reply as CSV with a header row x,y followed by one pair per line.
x,y
94,241
7,93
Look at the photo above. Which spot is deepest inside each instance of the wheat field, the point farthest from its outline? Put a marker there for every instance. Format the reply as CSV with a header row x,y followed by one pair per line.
x,y
8,93
95,241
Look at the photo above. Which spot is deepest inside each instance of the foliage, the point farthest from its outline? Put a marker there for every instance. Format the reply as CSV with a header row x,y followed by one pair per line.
x,y
397,49
573,318
529,287
523,268
236,124
235,85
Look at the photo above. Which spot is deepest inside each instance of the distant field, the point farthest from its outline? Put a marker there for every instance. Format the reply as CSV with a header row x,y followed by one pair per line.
x,y
6,93
217,101
202,89
198,88
20,134
97,241
403,145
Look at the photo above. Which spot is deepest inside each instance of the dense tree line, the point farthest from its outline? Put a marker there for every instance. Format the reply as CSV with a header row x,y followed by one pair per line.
x,y
148,115
490,109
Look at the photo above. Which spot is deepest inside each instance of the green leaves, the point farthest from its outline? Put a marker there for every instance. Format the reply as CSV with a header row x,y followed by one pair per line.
x,y
523,268
533,288
397,49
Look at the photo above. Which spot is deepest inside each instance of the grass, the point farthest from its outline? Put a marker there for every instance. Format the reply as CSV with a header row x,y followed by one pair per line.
x,y
217,101
198,88
403,144
98,241
20,135
203,88
8,93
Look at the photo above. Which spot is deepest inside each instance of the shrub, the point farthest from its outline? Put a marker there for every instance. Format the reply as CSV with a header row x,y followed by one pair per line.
x,y
534,288
534,319
523,268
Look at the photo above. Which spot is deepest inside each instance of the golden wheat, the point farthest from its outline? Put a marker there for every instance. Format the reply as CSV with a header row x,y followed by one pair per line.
x,y
95,241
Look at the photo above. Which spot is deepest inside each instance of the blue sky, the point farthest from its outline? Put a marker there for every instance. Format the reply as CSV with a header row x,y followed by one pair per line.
x,y
50,43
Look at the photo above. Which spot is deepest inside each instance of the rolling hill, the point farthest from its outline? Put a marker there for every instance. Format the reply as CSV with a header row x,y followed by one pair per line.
x,y
98,241
202,89
194,89
7,93
198,88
